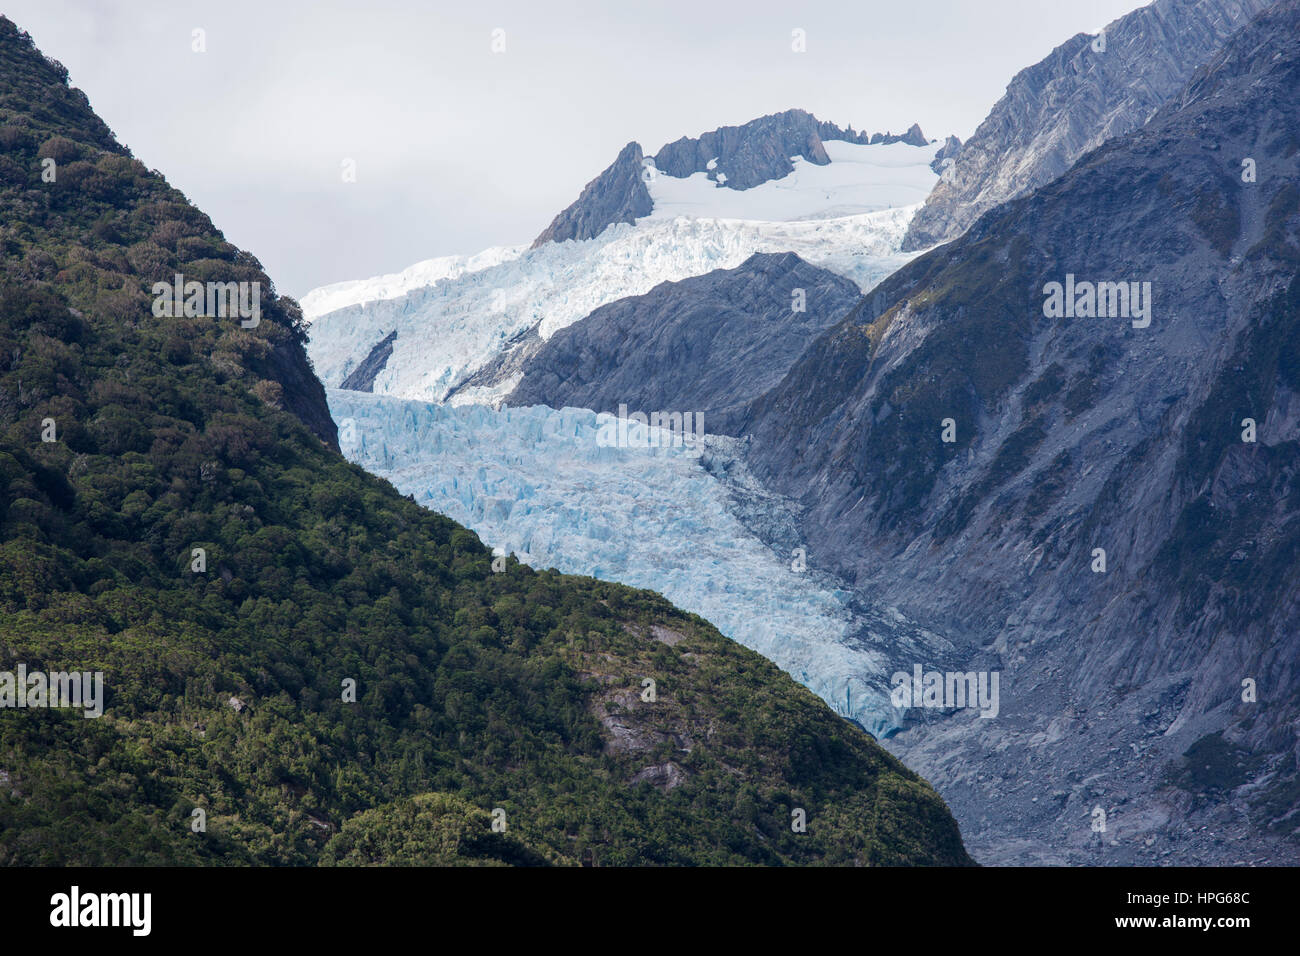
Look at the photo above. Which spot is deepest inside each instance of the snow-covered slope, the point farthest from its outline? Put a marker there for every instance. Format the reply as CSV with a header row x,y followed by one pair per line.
x,y
536,483
454,315
447,330
339,295
859,179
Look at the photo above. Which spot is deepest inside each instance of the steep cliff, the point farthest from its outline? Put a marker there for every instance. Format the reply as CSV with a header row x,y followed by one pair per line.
x,y
1085,92
616,195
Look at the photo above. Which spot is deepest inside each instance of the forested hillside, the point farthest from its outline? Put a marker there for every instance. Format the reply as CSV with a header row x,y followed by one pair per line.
x,y
176,515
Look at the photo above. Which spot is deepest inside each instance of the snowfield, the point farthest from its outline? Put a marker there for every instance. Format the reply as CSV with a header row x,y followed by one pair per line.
x,y
448,330
455,314
859,179
340,295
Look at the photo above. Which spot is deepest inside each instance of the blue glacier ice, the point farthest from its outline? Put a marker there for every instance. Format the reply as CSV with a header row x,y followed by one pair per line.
x,y
537,483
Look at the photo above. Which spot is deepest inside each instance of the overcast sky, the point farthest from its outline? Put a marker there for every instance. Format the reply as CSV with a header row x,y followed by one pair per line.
x,y
458,148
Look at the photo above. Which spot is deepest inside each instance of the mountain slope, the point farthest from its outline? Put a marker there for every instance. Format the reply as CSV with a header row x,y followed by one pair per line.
x,y
465,336
186,534
1077,434
48,127
708,345
1072,101
464,328
734,157
617,195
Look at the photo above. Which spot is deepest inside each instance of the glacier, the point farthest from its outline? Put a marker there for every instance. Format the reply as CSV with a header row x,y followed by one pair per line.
x,y
686,521
448,330
536,483
453,315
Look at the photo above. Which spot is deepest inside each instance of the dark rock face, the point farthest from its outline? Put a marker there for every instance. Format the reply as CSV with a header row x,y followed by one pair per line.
x,y
303,393
760,151
1078,434
1074,100
510,361
913,136
616,195
708,345
947,155
747,156
362,378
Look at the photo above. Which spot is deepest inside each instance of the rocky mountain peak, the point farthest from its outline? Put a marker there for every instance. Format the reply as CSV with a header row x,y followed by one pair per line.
x,y
1085,92
618,194
734,157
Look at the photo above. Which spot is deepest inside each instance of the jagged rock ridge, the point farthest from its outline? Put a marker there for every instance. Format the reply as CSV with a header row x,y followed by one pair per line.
x,y
737,157
741,157
1072,101
616,195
